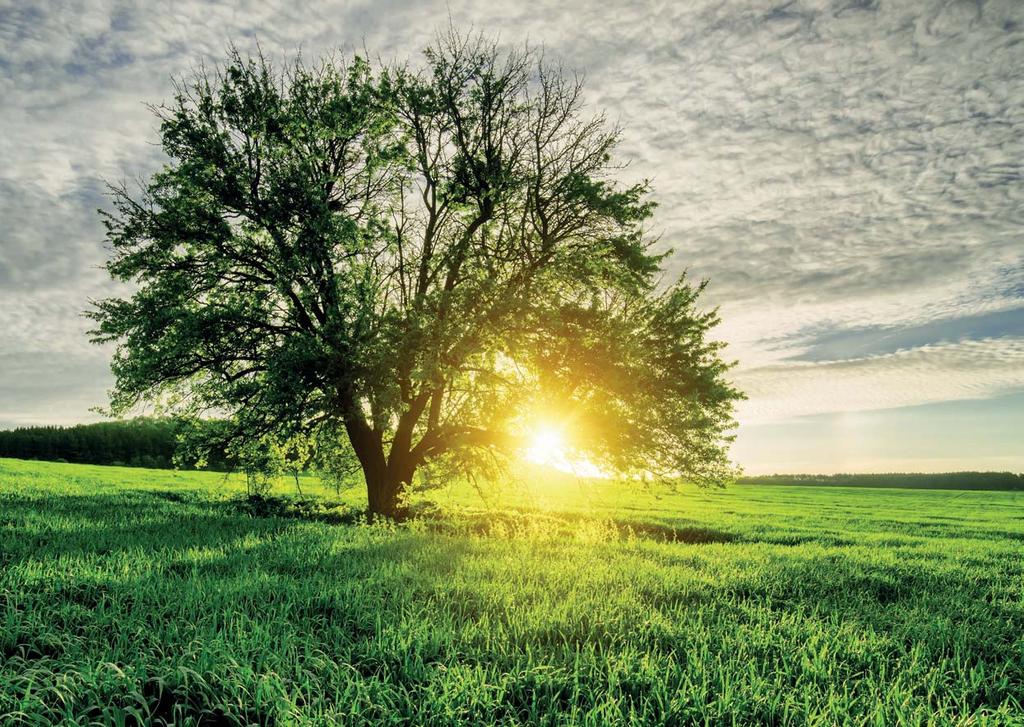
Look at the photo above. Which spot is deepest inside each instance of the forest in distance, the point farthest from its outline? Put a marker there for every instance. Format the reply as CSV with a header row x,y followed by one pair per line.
x,y
140,442
153,442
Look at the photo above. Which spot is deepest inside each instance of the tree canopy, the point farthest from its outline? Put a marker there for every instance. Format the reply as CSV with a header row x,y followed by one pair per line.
x,y
417,262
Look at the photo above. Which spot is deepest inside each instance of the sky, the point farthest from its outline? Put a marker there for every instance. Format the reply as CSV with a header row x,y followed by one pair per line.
x,y
846,173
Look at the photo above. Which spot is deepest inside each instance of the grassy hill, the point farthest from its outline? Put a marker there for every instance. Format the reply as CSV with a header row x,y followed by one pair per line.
x,y
132,596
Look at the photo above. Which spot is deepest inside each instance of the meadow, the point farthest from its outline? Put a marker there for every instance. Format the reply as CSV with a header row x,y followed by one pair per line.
x,y
132,596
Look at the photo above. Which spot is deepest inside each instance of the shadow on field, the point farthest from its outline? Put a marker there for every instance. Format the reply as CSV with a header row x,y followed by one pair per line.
x,y
84,526
170,704
513,523
34,527
481,523
671,534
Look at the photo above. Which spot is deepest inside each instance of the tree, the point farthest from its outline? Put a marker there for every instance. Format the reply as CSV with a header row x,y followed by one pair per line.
x,y
424,260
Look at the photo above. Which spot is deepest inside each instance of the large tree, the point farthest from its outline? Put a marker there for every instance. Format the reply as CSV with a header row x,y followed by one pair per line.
x,y
421,262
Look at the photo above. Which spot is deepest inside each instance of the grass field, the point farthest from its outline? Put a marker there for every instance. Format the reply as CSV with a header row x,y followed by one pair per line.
x,y
132,596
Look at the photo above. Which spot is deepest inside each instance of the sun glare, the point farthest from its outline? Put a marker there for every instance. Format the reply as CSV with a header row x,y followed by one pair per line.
x,y
547,446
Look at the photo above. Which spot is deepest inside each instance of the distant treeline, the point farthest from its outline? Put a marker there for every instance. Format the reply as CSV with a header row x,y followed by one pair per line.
x,y
140,442
939,481
152,442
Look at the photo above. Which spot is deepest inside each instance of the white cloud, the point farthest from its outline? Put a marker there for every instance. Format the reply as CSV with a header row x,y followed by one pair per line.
x,y
927,374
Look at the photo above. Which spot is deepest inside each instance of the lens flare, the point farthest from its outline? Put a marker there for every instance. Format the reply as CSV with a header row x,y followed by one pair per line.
x,y
546,446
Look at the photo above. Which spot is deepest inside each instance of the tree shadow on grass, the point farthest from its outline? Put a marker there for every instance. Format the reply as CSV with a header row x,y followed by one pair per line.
x,y
59,526
526,524
88,526
509,523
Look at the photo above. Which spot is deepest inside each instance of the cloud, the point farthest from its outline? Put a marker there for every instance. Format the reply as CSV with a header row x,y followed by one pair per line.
x,y
934,373
848,343
841,170
41,389
49,237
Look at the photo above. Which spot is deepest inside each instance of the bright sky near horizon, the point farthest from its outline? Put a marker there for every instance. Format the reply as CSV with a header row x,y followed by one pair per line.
x,y
847,173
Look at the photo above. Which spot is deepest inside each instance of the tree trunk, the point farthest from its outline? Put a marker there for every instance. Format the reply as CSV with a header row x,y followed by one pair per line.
x,y
382,498
387,477
385,488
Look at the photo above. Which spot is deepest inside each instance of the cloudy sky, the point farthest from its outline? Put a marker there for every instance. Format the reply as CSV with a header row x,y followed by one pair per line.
x,y
848,173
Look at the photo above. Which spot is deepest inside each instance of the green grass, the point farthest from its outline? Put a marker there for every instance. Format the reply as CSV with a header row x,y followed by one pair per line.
x,y
131,596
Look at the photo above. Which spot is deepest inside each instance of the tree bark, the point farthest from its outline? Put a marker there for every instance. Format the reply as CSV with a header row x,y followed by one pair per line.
x,y
382,490
385,488
382,498
387,476
387,480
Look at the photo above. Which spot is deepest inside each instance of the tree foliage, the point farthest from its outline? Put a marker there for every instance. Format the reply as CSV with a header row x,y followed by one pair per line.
x,y
419,261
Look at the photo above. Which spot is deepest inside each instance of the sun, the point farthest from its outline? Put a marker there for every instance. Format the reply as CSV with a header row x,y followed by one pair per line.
x,y
546,446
